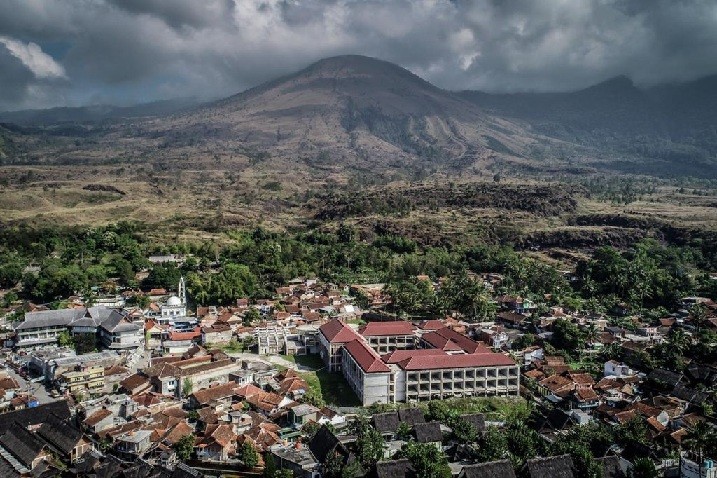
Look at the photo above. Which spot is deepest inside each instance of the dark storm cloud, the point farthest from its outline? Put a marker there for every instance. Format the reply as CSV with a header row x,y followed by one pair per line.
x,y
129,50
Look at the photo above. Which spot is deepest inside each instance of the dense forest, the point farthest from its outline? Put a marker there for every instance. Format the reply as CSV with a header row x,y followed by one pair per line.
x,y
251,263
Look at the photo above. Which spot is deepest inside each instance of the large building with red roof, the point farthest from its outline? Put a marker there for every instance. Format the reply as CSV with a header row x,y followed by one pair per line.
x,y
384,337
333,335
448,364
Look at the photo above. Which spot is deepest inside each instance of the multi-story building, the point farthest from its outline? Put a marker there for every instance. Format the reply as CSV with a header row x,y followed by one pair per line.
x,y
431,374
458,367
90,379
168,376
117,332
44,327
333,335
366,374
385,337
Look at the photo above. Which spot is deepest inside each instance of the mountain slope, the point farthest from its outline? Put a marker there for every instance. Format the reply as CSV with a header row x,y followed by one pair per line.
x,y
669,129
351,109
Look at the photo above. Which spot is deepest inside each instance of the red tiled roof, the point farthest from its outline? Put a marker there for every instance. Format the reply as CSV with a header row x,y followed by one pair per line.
x,y
365,357
185,335
397,327
434,324
401,355
432,362
97,417
336,331
466,344
441,343
206,395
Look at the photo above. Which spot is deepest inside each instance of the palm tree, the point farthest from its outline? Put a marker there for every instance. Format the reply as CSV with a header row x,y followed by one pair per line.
x,y
698,312
701,438
679,340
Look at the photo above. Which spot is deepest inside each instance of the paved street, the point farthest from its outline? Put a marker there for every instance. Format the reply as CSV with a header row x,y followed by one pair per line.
x,y
37,389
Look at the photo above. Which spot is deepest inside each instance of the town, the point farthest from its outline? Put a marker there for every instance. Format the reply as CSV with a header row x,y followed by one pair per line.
x,y
322,379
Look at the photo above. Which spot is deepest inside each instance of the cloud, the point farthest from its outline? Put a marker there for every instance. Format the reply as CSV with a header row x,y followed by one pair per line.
x,y
137,50
31,55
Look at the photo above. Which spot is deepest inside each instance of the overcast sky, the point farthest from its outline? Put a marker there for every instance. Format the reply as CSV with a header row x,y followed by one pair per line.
x,y
74,52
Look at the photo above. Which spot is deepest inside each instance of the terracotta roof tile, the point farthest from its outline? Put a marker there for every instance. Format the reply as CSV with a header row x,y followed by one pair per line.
x,y
366,357
382,329
336,331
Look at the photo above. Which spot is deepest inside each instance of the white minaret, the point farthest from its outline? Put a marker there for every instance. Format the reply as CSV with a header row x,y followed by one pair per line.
x,y
182,291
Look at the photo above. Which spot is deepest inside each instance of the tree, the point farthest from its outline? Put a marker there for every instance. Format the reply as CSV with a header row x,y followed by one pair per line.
x,y
184,447
643,468
493,445
698,313
427,460
248,455
270,468
334,465
702,438
64,339
142,301
403,432
187,387
467,296
251,315
464,431
309,429
369,443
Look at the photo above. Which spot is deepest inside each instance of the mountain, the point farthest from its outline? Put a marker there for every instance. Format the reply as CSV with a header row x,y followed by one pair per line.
x,y
350,110
667,129
95,113
355,114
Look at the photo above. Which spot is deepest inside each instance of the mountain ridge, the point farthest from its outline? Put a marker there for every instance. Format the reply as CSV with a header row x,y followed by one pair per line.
x,y
357,113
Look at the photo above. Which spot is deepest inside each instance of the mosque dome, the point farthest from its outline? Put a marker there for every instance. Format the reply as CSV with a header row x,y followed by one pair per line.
x,y
174,301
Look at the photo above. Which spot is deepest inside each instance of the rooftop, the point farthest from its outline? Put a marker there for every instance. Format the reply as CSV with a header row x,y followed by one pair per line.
x,y
383,329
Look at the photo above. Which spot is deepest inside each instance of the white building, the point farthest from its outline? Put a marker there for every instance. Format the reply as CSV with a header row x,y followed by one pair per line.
x,y
690,468
426,374
365,372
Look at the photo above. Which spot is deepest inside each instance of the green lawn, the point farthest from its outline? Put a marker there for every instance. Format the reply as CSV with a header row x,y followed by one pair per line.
x,y
331,387
311,361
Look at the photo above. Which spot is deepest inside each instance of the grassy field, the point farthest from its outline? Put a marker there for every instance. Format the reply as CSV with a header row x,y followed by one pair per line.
x,y
494,408
330,387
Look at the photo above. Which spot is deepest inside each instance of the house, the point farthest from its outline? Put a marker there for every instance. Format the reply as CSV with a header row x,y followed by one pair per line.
x,y
386,423
219,394
218,333
117,332
218,443
613,368
135,384
395,469
325,443
492,469
434,374
99,420
63,439
303,413
552,467
428,433
90,379
296,458
452,342
134,443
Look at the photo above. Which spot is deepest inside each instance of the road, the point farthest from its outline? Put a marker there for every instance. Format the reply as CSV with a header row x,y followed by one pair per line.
x,y
36,389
